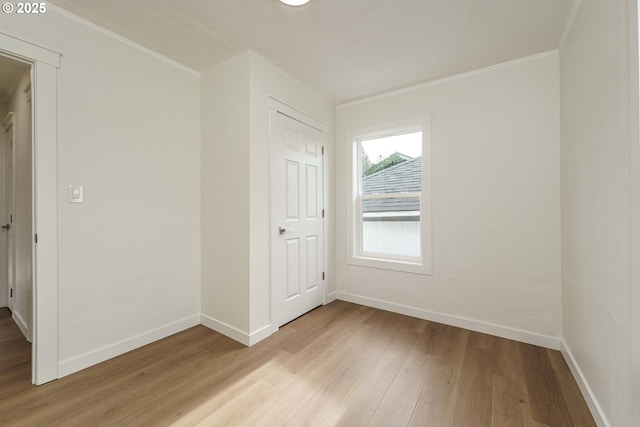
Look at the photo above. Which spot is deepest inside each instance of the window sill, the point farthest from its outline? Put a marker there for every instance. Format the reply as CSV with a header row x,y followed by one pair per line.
x,y
387,264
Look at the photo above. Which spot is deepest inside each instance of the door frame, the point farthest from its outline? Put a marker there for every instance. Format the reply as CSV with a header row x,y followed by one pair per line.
x,y
275,106
634,167
44,69
10,157
3,256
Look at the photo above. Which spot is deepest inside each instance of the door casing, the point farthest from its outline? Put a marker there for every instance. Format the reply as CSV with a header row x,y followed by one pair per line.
x,y
9,194
44,68
275,107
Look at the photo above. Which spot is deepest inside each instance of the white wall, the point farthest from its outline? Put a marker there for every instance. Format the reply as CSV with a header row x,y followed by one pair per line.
x,y
129,131
236,290
495,196
596,198
22,227
225,193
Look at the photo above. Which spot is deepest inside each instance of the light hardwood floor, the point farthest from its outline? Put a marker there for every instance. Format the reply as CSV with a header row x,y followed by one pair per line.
x,y
339,365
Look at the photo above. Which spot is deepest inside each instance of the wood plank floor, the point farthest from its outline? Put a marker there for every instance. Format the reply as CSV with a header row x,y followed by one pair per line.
x,y
339,365
15,355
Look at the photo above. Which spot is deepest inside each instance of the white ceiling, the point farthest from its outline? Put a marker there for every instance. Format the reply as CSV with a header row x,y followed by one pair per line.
x,y
344,49
10,72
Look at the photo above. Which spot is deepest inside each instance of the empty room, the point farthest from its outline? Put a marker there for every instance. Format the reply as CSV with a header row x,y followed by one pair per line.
x,y
349,213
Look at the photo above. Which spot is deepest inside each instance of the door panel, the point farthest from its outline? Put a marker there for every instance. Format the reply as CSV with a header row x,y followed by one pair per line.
x,y
296,218
293,192
293,268
312,262
312,192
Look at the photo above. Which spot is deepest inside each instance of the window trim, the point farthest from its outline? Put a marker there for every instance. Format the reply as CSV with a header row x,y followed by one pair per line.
x,y
355,254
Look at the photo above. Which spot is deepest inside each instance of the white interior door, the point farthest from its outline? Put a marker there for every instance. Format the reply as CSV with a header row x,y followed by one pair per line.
x,y
296,218
8,228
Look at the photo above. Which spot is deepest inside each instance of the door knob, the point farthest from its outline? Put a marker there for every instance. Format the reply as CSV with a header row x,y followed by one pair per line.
x,y
282,230
7,227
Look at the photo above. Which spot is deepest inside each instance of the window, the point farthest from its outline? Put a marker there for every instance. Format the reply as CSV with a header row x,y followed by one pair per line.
x,y
390,202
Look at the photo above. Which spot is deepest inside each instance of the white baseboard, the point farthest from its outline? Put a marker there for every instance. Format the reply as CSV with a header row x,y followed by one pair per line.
x,y
587,393
461,322
75,364
262,333
22,325
234,333
331,297
225,329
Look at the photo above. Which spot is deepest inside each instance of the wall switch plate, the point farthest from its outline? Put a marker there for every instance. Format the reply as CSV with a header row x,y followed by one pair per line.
x,y
76,194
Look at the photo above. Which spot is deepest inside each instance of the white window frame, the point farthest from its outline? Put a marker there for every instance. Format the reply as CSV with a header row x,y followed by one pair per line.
x,y
355,253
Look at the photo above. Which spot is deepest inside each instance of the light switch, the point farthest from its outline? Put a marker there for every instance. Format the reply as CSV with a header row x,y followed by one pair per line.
x,y
76,194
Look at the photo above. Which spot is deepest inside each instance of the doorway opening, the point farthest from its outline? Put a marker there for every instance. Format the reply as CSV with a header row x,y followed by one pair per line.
x,y
43,64
16,200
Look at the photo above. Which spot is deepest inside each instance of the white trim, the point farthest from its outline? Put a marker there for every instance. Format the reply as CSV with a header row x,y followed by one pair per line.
x,y
587,393
326,224
44,67
449,79
9,157
225,329
568,25
299,115
8,120
102,354
45,222
262,333
391,214
331,297
528,337
236,334
30,52
355,252
634,197
388,262
22,325
121,39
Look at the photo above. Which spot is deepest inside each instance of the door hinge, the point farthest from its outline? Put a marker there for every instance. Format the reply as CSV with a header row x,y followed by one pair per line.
x,y
11,218
323,275
323,150
35,237
322,213
11,293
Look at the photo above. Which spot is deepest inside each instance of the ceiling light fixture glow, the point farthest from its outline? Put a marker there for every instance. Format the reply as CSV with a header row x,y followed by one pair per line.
x,y
295,2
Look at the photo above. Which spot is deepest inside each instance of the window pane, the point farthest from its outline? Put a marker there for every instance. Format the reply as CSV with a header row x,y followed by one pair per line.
x,y
391,226
392,164
390,206
382,153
